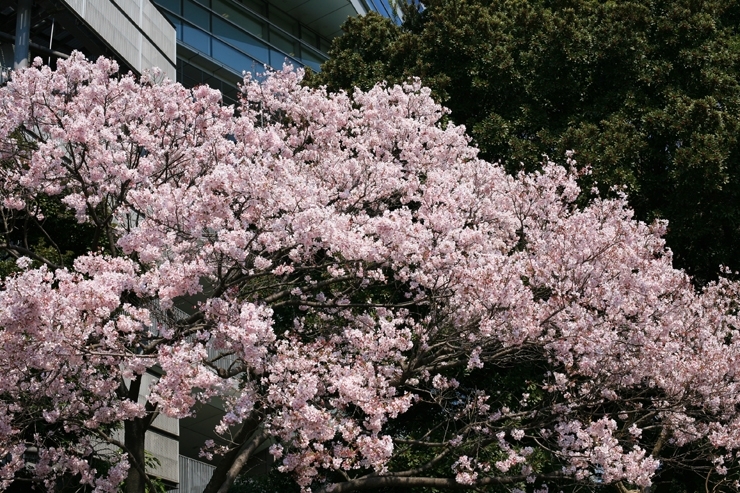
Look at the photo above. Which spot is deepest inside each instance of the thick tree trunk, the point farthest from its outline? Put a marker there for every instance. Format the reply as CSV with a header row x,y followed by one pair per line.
x,y
232,462
241,460
134,440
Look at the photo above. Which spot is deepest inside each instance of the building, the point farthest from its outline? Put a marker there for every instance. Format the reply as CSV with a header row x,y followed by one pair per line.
x,y
134,32
218,39
195,42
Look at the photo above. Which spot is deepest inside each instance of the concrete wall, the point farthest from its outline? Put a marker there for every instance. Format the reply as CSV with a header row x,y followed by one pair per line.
x,y
135,29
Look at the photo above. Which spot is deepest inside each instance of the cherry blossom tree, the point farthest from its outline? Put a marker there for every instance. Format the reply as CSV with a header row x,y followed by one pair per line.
x,y
380,307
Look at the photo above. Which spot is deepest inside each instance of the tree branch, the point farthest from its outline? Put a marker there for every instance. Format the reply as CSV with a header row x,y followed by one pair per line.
x,y
375,482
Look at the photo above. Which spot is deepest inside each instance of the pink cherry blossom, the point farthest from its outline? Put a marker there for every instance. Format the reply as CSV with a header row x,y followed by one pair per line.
x,y
346,261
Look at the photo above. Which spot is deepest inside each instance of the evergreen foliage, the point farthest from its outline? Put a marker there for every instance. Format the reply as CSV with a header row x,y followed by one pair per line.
x,y
646,92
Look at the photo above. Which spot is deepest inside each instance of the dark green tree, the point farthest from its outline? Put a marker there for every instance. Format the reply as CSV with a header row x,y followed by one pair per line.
x,y
646,92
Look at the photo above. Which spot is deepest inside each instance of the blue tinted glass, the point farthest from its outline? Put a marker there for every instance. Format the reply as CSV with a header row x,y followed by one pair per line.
x,y
234,58
277,59
173,5
384,7
197,15
256,48
196,38
242,19
282,41
311,60
240,39
316,66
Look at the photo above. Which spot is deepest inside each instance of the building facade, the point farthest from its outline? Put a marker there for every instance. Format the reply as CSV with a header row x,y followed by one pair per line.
x,y
134,32
194,42
217,40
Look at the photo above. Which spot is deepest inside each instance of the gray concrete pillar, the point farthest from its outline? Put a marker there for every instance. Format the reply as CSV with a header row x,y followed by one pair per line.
x,y
22,34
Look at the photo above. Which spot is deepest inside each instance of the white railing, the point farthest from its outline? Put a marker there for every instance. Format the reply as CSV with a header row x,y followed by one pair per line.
x,y
194,475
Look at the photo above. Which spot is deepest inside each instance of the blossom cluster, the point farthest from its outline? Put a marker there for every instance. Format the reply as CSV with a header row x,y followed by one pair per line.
x,y
347,259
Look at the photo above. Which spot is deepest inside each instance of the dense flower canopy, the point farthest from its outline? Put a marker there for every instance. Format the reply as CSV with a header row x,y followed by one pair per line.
x,y
360,284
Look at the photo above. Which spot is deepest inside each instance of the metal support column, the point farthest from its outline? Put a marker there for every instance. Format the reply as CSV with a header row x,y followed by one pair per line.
x,y
22,34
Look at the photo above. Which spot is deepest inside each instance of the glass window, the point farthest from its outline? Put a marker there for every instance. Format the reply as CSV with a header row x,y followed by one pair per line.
x,y
230,94
282,42
309,37
196,38
316,66
227,32
213,82
239,17
284,21
197,15
383,7
257,49
312,60
278,58
191,76
172,5
244,41
324,44
233,58
257,6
